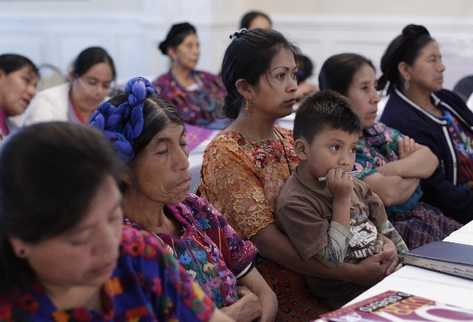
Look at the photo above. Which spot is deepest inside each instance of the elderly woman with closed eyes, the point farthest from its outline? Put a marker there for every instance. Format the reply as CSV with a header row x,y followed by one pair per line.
x,y
149,136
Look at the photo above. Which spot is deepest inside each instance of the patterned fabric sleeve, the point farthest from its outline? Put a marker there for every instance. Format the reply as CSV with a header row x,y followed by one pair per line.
x,y
378,145
391,146
173,293
238,254
337,247
365,164
390,232
230,184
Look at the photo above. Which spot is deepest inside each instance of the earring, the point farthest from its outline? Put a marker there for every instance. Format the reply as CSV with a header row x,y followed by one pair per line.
x,y
247,105
406,85
21,252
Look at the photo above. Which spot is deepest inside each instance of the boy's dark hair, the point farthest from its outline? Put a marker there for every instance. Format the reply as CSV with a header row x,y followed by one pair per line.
x,y
325,109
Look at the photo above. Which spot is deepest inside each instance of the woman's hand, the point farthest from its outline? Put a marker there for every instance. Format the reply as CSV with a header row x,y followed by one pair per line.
x,y
219,316
339,183
407,146
246,309
370,270
255,283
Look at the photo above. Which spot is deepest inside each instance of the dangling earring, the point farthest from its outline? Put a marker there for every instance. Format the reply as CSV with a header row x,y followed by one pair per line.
x,y
406,85
247,105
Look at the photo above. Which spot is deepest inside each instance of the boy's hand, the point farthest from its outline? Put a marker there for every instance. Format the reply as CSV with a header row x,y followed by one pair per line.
x,y
339,183
370,270
389,260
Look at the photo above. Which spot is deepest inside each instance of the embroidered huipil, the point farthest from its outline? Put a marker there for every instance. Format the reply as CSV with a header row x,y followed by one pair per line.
x,y
208,248
147,285
201,105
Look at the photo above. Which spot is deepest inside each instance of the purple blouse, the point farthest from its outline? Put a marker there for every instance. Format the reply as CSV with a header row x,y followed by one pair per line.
x,y
208,248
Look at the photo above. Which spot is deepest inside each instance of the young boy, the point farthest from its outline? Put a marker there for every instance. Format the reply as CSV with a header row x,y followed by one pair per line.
x,y
327,213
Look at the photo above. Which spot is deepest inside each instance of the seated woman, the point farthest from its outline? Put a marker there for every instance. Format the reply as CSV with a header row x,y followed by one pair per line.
x,y
390,163
61,206
246,165
256,19
435,117
197,95
18,80
91,77
305,69
149,136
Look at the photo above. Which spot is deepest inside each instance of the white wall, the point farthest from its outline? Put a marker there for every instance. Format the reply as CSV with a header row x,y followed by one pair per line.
x,y
51,31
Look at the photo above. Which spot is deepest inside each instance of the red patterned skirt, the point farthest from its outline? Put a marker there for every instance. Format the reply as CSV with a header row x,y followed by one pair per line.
x,y
295,301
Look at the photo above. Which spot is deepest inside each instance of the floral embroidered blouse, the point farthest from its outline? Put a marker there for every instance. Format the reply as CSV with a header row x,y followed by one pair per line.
x,y
243,179
208,248
147,285
462,139
201,105
380,145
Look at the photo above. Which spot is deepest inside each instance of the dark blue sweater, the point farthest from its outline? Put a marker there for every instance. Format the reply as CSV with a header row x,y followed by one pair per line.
x,y
441,189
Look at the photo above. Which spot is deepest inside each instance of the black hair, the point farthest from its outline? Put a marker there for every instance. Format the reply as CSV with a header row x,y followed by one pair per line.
x,y
337,71
325,109
248,57
12,62
157,114
49,174
248,18
176,36
305,67
90,57
404,48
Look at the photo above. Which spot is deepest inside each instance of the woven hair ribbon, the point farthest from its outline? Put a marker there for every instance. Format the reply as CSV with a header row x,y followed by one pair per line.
x,y
122,124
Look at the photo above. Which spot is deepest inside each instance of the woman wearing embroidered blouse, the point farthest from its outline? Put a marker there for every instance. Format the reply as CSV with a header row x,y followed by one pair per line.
x,y
18,80
91,77
389,162
63,253
149,136
435,117
197,95
246,165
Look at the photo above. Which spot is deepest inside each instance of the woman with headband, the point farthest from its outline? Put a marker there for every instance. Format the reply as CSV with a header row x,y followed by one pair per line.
x,y
149,136
420,108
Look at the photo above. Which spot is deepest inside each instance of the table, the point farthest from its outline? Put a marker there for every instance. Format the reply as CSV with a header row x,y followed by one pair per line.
x,y
435,286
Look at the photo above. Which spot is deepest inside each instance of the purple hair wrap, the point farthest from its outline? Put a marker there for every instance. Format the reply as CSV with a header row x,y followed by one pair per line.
x,y
122,124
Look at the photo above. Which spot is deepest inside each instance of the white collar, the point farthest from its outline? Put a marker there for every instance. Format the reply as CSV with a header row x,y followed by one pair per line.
x,y
420,109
